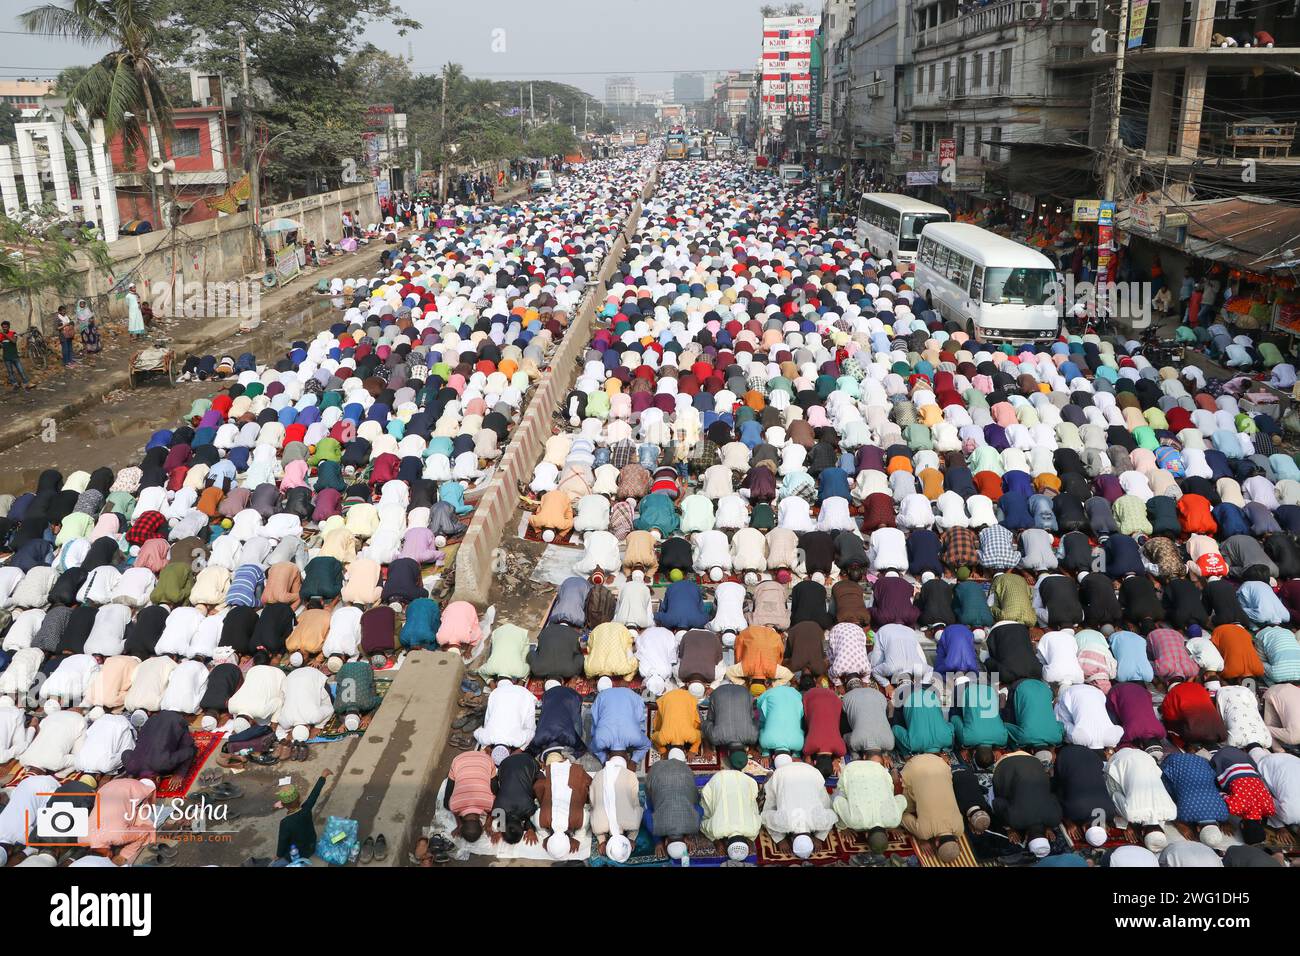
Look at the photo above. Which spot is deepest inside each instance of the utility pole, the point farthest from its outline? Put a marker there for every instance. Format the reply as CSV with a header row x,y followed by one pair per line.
x,y
521,111
442,167
1112,139
246,126
532,112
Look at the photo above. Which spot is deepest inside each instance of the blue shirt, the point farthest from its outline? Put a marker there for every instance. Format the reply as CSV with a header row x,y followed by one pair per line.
x,y
618,723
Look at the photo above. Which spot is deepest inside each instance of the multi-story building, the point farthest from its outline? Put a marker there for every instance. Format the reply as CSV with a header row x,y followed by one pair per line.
x,y
1203,114
877,54
688,87
620,91
986,78
731,100
837,33
28,97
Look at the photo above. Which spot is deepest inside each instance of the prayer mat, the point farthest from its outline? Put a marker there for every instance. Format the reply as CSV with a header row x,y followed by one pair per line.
x,y
13,773
900,844
832,851
965,859
705,763
563,538
333,728
584,685
206,743
1283,840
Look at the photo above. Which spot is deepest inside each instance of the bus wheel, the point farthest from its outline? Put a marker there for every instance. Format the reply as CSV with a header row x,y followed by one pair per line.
x,y
970,328
929,301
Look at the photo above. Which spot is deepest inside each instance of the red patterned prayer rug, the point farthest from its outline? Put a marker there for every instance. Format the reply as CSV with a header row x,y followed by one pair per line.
x,y
206,743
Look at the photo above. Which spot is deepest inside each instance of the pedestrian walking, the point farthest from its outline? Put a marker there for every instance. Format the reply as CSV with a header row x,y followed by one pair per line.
x,y
134,316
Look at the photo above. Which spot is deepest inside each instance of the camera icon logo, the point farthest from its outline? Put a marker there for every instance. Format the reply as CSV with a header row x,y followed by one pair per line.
x,y
63,820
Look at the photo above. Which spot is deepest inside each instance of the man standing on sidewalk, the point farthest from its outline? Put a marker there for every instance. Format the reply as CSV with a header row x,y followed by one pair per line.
x,y
13,364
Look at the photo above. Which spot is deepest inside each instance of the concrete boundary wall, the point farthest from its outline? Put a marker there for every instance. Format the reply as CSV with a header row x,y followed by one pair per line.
x,y
499,499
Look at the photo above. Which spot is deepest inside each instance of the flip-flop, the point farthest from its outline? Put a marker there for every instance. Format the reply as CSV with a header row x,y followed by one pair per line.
x,y
367,854
471,686
225,791
167,850
461,741
264,760
381,848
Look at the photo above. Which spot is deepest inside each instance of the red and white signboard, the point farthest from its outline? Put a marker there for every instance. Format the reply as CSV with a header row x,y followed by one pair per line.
x,y
947,151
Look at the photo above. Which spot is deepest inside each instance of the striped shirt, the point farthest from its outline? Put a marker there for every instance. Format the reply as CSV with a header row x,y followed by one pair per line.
x,y
472,773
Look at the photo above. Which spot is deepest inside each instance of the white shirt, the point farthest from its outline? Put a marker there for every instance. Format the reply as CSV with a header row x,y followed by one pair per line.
x,y
186,687
888,550
656,652
261,695
510,718
108,634
1281,773
58,739
15,735
1082,709
106,740
19,815
306,701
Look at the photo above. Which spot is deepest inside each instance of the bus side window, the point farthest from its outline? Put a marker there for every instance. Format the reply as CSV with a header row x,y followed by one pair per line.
x,y
941,258
977,284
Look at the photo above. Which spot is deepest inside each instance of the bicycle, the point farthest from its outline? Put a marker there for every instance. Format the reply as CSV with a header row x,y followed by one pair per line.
x,y
35,347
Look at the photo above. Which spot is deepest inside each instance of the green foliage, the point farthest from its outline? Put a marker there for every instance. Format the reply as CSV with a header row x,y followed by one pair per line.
x,y
125,88
8,117
38,256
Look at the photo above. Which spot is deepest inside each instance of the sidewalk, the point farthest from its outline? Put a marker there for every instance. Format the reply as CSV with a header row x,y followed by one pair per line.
x,y
62,393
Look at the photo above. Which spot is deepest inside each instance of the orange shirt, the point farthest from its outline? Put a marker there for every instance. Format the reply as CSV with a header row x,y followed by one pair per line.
x,y
759,651
677,721
1239,656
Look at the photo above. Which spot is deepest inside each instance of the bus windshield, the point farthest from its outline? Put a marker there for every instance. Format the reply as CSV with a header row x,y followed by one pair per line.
x,y
1019,286
913,222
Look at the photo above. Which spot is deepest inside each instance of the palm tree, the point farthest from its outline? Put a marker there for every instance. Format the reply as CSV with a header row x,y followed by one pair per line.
x,y
127,83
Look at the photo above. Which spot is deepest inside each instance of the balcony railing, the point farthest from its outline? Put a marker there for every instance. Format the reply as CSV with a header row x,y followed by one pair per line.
x,y
995,16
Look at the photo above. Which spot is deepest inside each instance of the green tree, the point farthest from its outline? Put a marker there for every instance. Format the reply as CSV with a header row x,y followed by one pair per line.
x,y
40,256
8,118
125,88
309,82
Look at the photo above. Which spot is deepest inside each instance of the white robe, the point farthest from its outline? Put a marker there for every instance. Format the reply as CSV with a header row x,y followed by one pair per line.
x,y
261,695
306,701
1082,709
185,688
106,740
58,739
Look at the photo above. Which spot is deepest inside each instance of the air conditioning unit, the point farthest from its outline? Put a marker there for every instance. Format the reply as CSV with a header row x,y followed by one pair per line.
x,y
1060,9
875,75
1085,10
1030,10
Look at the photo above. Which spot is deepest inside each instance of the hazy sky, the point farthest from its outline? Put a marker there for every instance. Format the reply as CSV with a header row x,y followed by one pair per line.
x,y
570,41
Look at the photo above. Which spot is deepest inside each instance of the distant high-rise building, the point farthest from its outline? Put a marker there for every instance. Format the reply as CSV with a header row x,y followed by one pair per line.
x,y
688,87
620,91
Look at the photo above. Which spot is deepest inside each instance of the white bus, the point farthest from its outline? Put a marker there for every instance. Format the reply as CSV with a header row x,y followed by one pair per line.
x,y
890,225
993,288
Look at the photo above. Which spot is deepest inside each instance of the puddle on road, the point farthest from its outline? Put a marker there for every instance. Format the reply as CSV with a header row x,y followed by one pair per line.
x,y
114,433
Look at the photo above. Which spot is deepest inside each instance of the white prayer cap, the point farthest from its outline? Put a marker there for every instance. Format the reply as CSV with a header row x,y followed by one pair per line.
x,y
619,848
7,701
300,733
737,850
604,684
557,846
1096,836
802,846
499,753
552,683
1211,835
656,685
95,713
697,690
1155,841
335,663
1039,847
352,722
296,659
504,680
52,706
241,723
677,849
676,754
209,723
781,760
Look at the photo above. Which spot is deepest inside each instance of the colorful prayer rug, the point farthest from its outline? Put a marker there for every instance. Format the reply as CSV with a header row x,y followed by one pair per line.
x,y
206,743
333,728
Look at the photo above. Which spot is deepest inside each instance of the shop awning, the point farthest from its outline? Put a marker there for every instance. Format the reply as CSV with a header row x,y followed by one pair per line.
x,y
1248,232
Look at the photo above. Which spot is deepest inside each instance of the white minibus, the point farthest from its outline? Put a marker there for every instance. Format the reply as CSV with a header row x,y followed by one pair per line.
x,y
993,288
890,225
